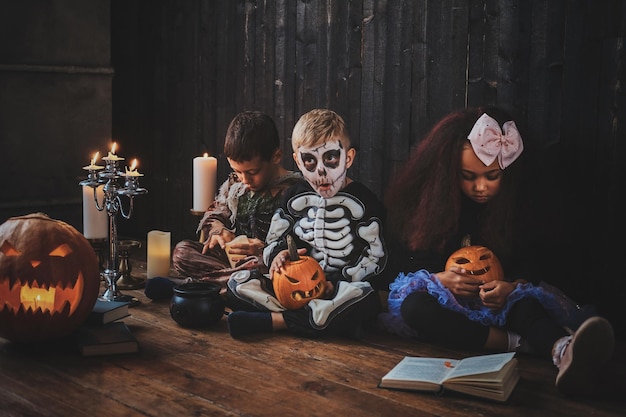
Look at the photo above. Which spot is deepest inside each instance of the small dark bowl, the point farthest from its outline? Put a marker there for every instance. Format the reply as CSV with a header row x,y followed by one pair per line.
x,y
197,304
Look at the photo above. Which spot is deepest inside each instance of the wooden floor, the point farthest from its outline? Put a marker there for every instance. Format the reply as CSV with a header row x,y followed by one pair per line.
x,y
180,372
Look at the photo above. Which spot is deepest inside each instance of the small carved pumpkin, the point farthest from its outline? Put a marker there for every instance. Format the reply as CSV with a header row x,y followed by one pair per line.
x,y
49,278
301,280
477,261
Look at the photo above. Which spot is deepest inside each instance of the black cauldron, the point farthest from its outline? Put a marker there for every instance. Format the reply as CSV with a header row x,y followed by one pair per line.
x,y
197,304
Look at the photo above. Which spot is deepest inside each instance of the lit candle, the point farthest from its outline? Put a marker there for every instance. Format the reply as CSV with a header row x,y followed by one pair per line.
x,y
111,156
95,222
92,165
158,253
36,298
133,170
204,171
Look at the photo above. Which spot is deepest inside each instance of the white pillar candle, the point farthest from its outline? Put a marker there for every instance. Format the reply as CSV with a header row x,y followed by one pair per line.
x,y
95,222
204,171
158,253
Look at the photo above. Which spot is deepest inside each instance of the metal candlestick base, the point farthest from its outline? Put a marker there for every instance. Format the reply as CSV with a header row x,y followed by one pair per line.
x,y
111,293
126,280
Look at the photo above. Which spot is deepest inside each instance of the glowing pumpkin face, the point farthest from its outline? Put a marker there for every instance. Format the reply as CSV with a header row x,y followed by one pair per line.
x,y
49,278
477,261
301,280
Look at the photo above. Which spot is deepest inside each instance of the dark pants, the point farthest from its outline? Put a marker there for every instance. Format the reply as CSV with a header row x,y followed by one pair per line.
x,y
350,322
437,324
347,322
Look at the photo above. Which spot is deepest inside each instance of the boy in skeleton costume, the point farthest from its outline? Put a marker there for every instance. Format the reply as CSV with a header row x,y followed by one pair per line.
x,y
333,219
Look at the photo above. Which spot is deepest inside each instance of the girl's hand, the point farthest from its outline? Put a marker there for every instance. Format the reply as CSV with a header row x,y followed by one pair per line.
x,y
459,283
493,294
279,260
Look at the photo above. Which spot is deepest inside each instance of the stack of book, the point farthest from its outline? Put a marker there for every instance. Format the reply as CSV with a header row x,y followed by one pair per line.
x,y
103,332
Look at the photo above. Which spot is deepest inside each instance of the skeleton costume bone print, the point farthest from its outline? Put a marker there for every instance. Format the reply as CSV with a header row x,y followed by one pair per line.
x,y
327,226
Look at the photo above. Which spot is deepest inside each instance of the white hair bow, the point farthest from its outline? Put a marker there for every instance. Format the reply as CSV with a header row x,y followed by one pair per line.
x,y
490,142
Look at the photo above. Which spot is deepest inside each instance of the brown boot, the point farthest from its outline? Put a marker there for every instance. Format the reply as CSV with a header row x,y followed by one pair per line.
x,y
580,356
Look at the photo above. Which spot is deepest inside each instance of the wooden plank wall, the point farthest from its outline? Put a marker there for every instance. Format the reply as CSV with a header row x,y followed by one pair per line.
x,y
183,69
55,102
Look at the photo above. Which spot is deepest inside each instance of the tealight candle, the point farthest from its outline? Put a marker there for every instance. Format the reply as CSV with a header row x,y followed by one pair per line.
x,y
37,299
204,171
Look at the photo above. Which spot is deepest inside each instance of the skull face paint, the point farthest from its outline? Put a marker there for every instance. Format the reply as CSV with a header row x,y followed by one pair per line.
x,y
325,167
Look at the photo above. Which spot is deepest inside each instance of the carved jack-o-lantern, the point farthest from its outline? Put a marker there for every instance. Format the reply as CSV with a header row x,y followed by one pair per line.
x,y
49,278
478,261
301,280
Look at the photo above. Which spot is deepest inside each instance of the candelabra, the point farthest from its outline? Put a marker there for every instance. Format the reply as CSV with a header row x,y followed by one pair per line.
x,y
116,186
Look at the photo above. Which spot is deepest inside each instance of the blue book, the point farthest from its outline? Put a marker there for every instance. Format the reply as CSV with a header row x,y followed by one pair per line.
x,y
107,312
109,339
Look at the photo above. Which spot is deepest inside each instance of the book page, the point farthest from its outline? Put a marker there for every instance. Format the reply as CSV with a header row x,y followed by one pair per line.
x,y
432,370
481,364
494,385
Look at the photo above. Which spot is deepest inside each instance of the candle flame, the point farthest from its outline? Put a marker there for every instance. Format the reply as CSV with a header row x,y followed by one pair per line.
x,y
133,169
95,158
113,148
206,155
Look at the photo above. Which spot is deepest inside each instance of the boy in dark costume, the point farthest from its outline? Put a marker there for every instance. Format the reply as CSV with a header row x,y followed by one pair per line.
x,y
244,204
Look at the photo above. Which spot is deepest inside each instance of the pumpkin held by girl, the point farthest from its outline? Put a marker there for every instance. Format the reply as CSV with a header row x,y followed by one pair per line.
x,y
477,261
49,278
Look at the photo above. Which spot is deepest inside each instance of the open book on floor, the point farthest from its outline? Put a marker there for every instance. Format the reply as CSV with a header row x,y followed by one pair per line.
x,y
491,376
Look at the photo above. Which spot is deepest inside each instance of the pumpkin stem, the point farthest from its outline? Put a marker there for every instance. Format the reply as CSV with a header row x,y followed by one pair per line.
x,y
466,241
293,250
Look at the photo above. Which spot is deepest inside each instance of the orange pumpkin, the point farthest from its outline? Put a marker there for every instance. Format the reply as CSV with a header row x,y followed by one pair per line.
x,y
478,261
49,278
301,280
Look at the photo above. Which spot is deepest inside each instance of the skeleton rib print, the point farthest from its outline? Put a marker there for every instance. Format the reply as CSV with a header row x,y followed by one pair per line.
x,y
326,227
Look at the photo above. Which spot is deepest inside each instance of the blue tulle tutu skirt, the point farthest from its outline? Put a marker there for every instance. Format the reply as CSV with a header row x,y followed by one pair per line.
x,y
564,311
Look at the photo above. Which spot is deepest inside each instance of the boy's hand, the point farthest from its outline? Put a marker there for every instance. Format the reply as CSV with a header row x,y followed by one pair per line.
x,y
279,260
252,248
218,239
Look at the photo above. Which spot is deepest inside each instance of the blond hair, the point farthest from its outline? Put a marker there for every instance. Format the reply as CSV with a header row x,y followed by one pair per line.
x,y
318,126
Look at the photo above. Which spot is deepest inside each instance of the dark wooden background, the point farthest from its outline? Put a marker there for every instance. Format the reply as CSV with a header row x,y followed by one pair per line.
x,y
181,69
